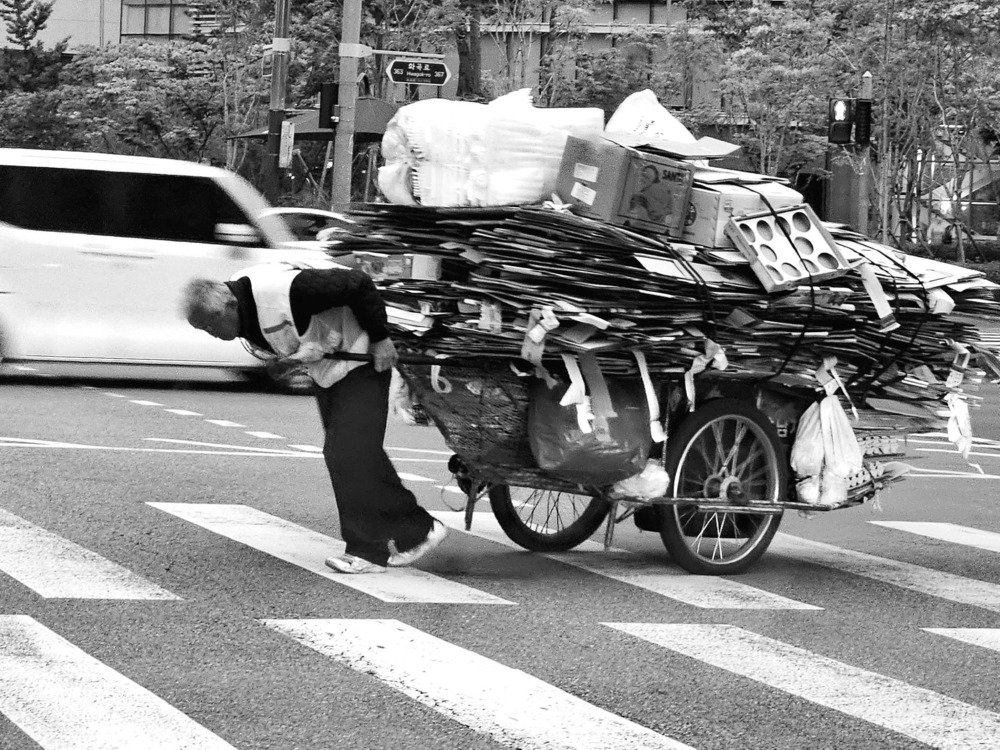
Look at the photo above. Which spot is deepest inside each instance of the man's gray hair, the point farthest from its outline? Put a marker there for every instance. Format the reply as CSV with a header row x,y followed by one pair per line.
x,y
203,297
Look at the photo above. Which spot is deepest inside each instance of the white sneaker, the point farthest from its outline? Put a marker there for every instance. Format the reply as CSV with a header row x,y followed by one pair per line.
x,y
434,538
352,564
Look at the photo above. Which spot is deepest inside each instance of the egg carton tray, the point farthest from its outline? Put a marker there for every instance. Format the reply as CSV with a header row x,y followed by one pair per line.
x,y
787,247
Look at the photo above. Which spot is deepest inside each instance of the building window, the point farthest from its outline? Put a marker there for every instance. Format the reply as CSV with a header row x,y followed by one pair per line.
x,y
155,19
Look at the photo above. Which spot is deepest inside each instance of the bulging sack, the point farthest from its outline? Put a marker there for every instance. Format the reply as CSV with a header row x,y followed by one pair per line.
x,y
563,448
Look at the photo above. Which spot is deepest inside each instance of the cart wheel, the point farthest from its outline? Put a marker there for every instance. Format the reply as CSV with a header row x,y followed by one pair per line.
x,y
547,520
729,450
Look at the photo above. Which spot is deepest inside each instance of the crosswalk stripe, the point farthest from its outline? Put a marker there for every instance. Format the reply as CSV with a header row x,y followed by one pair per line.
x,y
936,583
921,714
64,699
56,568
707,592
511,706
947,532
983,637
309,549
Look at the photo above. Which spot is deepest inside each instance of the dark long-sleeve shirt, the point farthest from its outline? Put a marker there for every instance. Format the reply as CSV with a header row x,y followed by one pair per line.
x,y
315,290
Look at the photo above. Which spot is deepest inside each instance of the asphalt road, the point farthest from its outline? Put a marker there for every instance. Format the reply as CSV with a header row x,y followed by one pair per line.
x,y
162,586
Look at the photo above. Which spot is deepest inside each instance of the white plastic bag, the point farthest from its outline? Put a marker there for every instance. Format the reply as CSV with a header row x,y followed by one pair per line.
x,y
653,481
642,114
825,453
440,152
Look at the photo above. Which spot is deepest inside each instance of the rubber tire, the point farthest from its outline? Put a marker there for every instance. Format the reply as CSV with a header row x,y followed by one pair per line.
x,y
581,529
672,525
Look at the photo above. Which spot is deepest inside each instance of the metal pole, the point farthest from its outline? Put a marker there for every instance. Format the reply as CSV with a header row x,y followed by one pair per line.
x,y
280,51
347,98
864,178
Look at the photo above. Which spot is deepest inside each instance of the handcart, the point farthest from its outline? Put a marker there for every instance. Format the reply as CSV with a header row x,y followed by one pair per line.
x,y
727,460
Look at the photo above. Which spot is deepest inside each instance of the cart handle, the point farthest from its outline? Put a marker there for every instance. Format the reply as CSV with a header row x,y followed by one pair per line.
x,y
404,359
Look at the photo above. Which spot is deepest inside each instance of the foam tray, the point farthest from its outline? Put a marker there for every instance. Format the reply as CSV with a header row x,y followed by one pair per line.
x,y
787,247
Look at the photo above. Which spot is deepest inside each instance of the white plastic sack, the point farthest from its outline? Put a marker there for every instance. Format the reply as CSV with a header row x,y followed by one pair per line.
x,y
825,453
653,481
642,114
507,152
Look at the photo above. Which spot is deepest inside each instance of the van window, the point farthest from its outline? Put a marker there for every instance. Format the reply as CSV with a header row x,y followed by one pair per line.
x,y
117,204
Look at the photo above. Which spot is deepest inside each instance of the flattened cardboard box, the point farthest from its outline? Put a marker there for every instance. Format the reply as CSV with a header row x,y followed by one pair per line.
x,y
624,186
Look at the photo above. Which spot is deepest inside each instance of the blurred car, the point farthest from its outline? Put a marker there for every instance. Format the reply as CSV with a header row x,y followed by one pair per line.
x,y
96,248
312,227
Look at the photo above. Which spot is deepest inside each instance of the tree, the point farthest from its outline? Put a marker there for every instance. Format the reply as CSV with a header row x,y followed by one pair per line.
x,y
776,68
28,67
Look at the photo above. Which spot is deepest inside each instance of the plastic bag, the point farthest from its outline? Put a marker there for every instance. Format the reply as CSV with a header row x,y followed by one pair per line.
x,y
653,481
440,152
562,447
825,453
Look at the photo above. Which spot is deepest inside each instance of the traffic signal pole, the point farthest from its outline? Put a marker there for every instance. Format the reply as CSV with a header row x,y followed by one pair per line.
x,y
865,167
343,140
280,51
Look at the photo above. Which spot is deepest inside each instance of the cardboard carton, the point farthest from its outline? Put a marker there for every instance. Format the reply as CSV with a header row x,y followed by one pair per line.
x,y
388,267
713,203
605,180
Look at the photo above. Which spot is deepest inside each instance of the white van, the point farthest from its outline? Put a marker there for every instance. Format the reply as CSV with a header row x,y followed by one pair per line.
x,y
96,248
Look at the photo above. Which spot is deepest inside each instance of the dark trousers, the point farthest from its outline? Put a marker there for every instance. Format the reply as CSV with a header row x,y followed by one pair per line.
x,y
373,504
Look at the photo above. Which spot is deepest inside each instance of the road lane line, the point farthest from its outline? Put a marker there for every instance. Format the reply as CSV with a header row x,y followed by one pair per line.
x,y
982,637
145,403
921,714
947,532
509,705
927,581
56,568
706,592
309,549
307,448
65,699
224,423
414,477
185,413
265,435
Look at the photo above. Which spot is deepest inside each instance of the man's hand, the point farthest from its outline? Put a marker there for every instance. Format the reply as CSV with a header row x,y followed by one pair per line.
x,y
384,354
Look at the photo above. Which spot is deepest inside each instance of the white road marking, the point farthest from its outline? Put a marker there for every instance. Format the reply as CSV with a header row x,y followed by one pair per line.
x,y
400,460
116,395
248,448
449,488
265,435
923,715
144,403
238,450
944,439
309,549
185,413
947,532
946,586
64,699
307,448
224,423
56,568
509,705
982,637
418,450
957,453
414,477
707,592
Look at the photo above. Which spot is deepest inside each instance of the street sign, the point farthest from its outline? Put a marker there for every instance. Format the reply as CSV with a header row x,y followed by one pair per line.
x,y
426,72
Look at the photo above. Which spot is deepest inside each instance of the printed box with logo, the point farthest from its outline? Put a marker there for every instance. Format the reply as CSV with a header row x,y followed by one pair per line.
x,y
624,186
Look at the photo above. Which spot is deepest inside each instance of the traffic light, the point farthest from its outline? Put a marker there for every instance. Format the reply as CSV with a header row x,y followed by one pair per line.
x,y
840,120
863,122
328,94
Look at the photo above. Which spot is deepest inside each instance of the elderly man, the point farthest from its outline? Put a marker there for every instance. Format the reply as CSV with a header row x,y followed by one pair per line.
x,y
300,315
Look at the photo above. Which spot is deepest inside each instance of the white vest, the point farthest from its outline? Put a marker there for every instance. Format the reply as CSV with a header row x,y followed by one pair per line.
x,y
334,330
